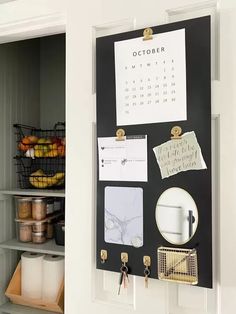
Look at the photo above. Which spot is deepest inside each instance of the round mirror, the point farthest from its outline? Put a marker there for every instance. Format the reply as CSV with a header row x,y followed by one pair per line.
x,y
176,215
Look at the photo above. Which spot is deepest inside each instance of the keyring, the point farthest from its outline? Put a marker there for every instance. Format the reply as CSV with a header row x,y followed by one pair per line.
x,y
124,268
146,272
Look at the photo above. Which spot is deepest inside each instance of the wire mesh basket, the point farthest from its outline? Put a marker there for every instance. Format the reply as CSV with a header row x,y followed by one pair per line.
x,y
178,265
38,143
40,158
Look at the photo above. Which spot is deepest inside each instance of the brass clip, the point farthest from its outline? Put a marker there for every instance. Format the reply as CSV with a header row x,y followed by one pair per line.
x,y
176,131
120,135
147,261
124,257
147,33
103,255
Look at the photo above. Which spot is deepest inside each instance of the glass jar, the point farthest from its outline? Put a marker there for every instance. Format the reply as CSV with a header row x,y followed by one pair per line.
x,y
39,226
24,208
50,205
57,204
38,237
25,232
49,234
39,208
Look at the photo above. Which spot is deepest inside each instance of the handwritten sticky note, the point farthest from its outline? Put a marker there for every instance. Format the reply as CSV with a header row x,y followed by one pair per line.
x,y
179,155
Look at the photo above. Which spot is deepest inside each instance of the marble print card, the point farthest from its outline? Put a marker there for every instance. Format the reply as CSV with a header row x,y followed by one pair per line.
x,y
123,215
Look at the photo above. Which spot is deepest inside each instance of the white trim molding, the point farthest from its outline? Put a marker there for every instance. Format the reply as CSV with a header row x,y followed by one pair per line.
x,y
38,26
5,1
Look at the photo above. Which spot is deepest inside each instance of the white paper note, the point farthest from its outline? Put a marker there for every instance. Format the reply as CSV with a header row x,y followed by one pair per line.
x,y
123,217
179,155
151,79
123,160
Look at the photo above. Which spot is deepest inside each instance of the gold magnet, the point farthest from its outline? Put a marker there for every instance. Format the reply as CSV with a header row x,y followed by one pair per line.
x,y
176,131
124,257
103,255
120,135
147,261
147,33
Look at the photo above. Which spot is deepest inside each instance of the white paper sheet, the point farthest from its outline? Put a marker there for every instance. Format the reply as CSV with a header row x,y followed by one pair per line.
x,y
123,218
151,79
123,160
179,155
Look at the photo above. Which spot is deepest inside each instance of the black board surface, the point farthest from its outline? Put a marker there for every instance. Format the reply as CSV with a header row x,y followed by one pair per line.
x,y
197,183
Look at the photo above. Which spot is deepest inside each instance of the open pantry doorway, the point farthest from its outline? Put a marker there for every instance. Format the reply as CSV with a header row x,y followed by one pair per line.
x,y
32,84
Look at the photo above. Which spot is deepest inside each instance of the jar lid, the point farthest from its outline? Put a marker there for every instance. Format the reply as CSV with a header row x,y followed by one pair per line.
x,y
24,199
41,234
38,200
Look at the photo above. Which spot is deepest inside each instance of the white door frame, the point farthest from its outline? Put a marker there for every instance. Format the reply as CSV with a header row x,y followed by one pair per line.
x,y
38,26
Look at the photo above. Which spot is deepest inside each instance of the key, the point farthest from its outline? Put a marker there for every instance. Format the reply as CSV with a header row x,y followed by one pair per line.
x,y
120,282
123,277
146,281
127,277
124,269
124,280
146,275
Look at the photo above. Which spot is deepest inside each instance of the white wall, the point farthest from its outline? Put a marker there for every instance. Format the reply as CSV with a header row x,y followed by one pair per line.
x,y
224,98
80,159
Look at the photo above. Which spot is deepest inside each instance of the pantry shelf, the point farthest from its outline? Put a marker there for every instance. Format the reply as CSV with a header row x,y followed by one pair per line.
x,y
34,192
11,308
48,247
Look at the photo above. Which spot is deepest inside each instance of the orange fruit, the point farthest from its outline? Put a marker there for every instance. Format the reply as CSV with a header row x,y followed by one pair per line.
x,y
23,147
25,140
33,139
61,150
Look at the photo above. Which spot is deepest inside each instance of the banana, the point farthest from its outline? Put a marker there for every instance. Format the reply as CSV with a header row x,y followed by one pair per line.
x,y
35,179
59,175
50,181
38,173
36,183
41,181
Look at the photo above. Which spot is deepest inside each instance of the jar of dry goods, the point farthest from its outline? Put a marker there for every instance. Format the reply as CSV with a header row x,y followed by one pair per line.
x,y
49,233
39,226
57,204
25,232
39,208
38,237
50,205
24,209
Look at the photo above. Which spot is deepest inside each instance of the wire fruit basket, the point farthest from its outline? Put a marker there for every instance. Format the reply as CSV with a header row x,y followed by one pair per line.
x,y
40,158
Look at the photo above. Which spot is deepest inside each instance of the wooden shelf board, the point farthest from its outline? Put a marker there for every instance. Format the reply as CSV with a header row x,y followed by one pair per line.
x,y
34,192
49,247
20,309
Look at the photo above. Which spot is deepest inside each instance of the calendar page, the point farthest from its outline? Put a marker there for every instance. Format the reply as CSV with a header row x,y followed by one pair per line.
x,y
151,79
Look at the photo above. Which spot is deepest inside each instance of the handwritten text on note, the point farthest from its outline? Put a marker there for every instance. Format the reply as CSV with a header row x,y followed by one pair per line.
x,y
179,155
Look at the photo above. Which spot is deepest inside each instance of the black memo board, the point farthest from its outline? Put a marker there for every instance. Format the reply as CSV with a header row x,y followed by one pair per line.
x,y
197,183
